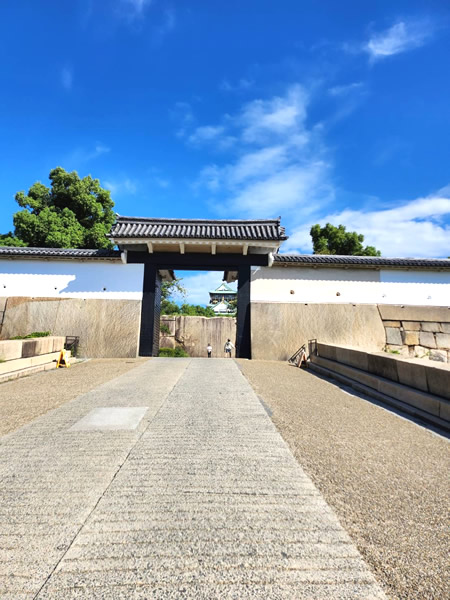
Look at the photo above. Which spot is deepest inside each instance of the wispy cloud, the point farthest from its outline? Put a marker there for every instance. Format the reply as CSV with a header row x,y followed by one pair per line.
x,y
134,9
167,24
278,163
401,37
66,78
345,90
242,84
414,228
83,155
121,187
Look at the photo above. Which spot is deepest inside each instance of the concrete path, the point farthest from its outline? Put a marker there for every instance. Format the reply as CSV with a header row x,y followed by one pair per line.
x,y
202,499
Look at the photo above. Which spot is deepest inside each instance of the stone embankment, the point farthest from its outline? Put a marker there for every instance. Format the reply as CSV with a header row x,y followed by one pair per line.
x,y
417,331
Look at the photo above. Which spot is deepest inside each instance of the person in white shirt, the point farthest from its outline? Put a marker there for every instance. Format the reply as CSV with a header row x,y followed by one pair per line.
x,y
228,348
209,350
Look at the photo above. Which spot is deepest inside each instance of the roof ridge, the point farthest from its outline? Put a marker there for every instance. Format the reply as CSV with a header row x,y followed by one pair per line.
x,y
193,220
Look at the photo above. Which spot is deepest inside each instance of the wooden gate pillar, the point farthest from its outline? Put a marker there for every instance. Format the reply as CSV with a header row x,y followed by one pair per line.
x,y
243,333
150,312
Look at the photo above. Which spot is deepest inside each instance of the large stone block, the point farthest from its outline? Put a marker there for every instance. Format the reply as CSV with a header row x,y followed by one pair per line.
x,y
402,350
421,400
383,366
412,374
327,351
353,358
430,326
279,329
438,380
411,325
195,333
421,352
392,323
10,349
396,312
427,339
444,410
106,328
58,343
445,327
438,355
393,336
443,340
30,348
410,338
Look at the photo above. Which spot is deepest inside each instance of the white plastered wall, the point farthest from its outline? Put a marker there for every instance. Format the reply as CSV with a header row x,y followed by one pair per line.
x,y
357,286
70,279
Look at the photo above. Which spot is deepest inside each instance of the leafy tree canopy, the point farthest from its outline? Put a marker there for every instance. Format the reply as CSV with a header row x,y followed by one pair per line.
x,y
9,239
336,240
72,213
169,307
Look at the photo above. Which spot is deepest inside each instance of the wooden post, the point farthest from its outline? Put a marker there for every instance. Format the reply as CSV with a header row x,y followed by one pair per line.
x,y
243,341
149,296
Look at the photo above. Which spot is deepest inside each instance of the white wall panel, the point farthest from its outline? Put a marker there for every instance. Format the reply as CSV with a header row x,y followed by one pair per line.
x,y
340,285
70,279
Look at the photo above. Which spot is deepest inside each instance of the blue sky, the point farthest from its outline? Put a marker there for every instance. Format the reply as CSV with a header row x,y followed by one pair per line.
x,y
330,111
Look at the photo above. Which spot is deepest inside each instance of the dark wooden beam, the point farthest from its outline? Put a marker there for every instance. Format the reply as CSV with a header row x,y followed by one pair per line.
x,y
243,332
149,293
197,262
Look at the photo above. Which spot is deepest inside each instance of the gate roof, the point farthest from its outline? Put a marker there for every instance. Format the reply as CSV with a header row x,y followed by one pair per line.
x,y
199,229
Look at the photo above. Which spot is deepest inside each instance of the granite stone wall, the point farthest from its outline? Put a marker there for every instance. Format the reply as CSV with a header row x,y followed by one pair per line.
x,y
417,331
195,333
279,329
106,328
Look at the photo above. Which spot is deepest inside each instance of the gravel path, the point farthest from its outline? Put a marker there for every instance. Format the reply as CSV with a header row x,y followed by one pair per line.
x,y
23,400
386,478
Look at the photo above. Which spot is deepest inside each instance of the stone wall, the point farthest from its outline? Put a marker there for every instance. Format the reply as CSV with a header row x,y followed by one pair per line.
x,y
279,329
195,333
417,331
106,328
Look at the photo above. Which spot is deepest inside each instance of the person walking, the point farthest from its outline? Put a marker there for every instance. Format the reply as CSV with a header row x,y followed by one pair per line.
x,y
228,348
209,350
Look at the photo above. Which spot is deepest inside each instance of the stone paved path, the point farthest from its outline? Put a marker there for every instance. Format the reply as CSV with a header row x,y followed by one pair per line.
x,y
202,500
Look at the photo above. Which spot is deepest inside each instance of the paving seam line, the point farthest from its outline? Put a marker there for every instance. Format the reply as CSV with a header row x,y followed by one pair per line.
x,y
36,596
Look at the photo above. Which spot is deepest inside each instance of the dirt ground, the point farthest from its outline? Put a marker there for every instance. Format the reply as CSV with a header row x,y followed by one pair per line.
x,y
22,400
385,477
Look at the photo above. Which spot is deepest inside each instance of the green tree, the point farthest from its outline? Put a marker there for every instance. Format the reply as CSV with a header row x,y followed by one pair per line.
x,y
9,239
72,213
336,240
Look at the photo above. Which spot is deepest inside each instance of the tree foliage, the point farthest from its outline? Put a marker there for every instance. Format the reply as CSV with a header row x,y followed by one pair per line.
x,y
73,212
9,239
336,240
169,289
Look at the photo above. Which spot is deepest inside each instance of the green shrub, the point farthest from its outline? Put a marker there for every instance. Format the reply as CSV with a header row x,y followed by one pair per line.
x,y
164,329
173,352
35,334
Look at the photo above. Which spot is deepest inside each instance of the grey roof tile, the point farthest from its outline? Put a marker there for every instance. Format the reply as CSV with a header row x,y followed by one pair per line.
x,y
360,261
133,227
11,252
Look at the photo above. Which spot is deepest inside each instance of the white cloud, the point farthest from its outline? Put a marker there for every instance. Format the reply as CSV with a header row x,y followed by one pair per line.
x,y
206,133
415,228
401,37
241,85
135,9
344,90
83,155
122,187
279,163
262,119
167,25
67,78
